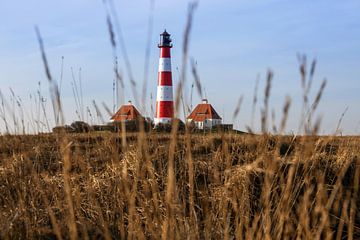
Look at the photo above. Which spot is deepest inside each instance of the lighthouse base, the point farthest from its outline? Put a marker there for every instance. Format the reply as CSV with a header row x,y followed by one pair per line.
x,y
158,121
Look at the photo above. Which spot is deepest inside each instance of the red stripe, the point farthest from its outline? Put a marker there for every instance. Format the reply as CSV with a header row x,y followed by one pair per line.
x,y
165,109
164,79
165,52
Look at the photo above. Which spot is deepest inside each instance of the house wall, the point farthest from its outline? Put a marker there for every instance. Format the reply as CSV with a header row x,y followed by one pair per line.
x,y
199,125
208,123
214,122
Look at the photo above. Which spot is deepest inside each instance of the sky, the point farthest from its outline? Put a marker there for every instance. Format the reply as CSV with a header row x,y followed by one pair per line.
x,y
233,43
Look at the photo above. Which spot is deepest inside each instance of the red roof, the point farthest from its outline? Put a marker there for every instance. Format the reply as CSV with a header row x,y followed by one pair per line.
x,y
203,111
126,113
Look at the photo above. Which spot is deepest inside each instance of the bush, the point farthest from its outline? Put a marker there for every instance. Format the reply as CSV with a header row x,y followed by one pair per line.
x,y
63,129
81,127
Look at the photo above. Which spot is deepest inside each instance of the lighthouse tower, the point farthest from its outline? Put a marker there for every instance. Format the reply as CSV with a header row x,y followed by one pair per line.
x,y
164,97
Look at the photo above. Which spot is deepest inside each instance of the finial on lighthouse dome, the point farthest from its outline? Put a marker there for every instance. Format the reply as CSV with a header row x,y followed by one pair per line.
x,y
165,40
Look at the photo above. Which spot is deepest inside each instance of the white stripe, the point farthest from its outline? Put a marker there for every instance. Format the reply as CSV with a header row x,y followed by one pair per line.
x,y
164,93
165,65
162,120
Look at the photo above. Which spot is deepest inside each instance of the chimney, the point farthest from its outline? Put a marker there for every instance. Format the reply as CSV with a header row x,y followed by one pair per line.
x,y
204,101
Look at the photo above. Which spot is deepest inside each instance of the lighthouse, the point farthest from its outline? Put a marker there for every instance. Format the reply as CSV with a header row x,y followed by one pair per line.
x,y
164,96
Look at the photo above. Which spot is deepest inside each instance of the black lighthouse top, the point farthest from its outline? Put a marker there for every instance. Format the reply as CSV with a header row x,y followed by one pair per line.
x,y
165,40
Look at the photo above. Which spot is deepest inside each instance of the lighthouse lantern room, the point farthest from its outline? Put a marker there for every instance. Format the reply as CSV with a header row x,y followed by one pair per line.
x,y
165,40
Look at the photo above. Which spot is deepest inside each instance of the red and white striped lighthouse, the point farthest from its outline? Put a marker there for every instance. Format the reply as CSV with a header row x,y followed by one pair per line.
x,y
164,97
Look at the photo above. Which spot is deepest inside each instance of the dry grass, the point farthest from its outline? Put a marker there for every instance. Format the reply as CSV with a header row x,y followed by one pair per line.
x,y
177,185
227,186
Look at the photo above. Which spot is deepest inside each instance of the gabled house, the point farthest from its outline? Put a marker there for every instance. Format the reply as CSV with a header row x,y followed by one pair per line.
x,y
126,113
204,116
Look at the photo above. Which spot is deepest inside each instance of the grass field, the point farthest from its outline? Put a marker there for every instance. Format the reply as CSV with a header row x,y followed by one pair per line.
x,y
178,185
215,186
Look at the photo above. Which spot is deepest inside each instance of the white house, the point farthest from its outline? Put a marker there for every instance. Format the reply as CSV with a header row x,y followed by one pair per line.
x,y
204,116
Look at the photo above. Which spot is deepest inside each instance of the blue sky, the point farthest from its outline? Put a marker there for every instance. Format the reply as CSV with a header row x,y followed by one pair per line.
x,y
232,42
